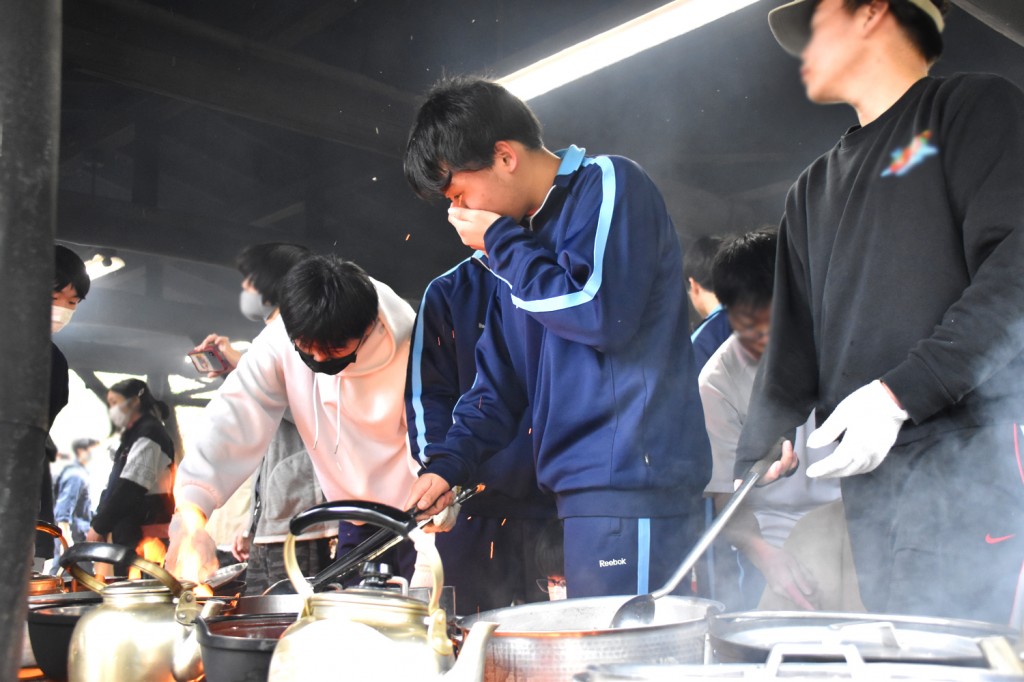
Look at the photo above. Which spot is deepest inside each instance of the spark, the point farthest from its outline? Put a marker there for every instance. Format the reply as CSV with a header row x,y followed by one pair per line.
x,y
492,549
439,341
504,520
408,235
373,179
529,431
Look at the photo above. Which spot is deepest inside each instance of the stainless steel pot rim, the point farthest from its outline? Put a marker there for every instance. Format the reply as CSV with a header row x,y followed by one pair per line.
x,y
893,672
829,617
563,618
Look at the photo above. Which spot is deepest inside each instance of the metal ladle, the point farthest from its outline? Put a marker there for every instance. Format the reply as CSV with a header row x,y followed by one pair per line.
x,y
639,610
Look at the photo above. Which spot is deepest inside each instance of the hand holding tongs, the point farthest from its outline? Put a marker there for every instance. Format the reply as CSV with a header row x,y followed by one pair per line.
x,y
375,545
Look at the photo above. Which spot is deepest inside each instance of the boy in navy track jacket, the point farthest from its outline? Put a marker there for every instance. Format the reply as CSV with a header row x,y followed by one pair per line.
x,y
489,554
588,334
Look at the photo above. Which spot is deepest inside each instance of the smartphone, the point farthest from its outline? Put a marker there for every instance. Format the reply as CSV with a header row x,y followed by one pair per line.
x,y
209,359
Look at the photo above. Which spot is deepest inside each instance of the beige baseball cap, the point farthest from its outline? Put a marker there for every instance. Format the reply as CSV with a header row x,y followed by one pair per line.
x,y
791,23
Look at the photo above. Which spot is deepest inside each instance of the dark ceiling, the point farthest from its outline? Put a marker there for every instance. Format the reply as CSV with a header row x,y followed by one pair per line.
x,y
191,128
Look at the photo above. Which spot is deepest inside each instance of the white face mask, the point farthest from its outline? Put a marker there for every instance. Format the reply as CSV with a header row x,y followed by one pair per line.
x,y
556,592
59,317
119,415
252,306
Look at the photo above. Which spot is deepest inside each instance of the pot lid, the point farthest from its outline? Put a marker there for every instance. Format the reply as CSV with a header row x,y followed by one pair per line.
x,y
877,637
144,588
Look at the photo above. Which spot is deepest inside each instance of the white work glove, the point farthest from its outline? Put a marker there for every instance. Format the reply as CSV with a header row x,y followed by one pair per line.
x,y
444,520
192,554
871,419
426,556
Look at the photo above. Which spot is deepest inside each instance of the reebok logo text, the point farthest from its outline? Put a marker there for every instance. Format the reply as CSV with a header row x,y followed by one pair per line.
x,y
601,563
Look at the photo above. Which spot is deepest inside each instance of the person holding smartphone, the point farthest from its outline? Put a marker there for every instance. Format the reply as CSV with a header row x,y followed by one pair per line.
x,y
285,483
335,358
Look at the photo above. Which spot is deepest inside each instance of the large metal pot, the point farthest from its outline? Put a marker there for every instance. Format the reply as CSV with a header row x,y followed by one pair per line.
x,y
552,641
749,637
853,667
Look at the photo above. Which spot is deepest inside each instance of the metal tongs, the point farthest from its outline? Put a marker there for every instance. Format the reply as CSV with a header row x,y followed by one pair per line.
x,y
375,545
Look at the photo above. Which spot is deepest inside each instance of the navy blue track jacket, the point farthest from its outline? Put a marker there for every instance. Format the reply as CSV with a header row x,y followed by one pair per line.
x,y
589,332
442,367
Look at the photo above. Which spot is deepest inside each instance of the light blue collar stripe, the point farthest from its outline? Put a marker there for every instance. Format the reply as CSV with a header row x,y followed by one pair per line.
x,y
417,364
604,221
711,315
572,159
643,556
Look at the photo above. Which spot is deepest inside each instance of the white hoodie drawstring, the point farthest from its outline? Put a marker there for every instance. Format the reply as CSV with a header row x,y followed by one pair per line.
x,y
337,419
316,416
316,413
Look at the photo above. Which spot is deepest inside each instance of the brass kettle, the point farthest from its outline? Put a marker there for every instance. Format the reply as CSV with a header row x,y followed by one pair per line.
x,y
143,630
382,633
41,583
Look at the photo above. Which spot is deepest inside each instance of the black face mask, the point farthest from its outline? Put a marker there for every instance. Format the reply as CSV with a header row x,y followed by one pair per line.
x,y
331,367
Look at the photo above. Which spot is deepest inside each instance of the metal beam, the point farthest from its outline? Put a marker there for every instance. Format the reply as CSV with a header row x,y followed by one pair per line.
x,y
97,221
137,312
145,47
1003,16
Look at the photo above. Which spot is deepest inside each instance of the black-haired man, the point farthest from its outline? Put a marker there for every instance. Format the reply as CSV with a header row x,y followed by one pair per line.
x,y
899,309
336,358
584,332
714,327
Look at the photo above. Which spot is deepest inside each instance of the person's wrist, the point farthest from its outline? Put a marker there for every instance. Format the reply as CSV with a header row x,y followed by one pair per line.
x,y
899,411
192,517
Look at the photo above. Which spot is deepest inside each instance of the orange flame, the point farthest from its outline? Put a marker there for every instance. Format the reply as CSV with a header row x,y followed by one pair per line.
x,y
150,549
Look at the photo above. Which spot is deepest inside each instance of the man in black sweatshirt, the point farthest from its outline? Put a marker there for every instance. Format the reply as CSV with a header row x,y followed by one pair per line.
x,y
899,310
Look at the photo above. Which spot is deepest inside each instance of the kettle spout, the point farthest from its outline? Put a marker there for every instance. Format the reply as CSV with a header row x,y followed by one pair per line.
x,y
470,665
187,663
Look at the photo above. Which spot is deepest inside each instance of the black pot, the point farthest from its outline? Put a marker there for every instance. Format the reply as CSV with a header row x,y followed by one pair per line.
x,y
238,648
49,631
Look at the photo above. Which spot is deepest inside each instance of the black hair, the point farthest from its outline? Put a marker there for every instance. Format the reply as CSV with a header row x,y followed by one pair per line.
x,y
744,270
456,130
698,258
917,25
70,269
83,444
136,388
265,266
550,552
326,302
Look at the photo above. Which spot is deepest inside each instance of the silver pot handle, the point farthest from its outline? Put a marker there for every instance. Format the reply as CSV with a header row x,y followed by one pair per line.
x,y
849,652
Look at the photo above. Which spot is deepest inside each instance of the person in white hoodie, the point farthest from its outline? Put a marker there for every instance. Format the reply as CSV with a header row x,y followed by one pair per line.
x,y
336,358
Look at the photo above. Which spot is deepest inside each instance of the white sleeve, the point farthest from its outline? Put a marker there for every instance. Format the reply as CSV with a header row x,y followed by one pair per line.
x,y
147,465
237,425
724,422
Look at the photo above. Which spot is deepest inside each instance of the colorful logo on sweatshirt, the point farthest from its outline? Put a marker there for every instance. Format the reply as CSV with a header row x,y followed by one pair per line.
x,y
911,155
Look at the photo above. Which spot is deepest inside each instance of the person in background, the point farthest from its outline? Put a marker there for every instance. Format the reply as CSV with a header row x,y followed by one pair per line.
x,y
73,509
336,358
488,554
714,328
285,483
551,560
137,502
583,335
70,286
898,311
743,275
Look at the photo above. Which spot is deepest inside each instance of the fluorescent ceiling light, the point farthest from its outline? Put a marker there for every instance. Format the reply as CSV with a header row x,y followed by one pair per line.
x,y
100,266
637,35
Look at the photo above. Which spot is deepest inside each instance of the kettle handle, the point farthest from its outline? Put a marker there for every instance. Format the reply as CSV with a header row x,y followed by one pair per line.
x,y
402,523
54,530
374,513
109,553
